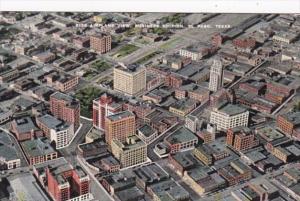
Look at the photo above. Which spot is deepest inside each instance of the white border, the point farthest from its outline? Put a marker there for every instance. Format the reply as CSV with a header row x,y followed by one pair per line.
x,y
190,6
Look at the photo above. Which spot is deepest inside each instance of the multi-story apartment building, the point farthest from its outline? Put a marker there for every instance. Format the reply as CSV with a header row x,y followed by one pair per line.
x,y
101,43
103,107
216,76
131,152
119,126
229,116
66,108
130,80
63,181
287,123
241,138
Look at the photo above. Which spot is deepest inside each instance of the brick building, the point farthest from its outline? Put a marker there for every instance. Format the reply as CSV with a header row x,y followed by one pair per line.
x,y
235,173
63,181
103,107
180,140
288,123
119,126
66,108
62,81
38,150
244,43
241,138
25,129
101,43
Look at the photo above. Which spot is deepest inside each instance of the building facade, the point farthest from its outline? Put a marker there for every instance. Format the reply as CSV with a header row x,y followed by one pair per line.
x,y
101,43
129,80
131,152
66,108
241,138
58,131
287,123
103,107
67,183
38,150
229,116
119,126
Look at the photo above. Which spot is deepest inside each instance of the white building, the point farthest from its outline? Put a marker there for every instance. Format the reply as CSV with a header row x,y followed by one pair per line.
x,y
62,135
216,76
229,116
57,130
194,55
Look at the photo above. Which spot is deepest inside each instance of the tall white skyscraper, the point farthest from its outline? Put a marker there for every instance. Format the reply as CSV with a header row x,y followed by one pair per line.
x,y
216,75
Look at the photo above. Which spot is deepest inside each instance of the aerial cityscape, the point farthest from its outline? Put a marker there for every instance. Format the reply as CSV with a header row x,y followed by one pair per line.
x,y
149,106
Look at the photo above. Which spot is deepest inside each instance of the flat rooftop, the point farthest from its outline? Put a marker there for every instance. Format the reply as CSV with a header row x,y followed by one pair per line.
x,y
120,115
293,149
151,173
52,122
293,117
64,97
184,104
181,135
132,68
27,184
231,109
146,130
25,124
269,133
255,156
169,190
7,148
37,147
185,159
132,142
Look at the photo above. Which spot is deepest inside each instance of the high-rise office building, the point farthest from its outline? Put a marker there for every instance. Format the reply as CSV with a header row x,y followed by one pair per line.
x,y
216,75
100,43
66,108
103,107
119,126
130,80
